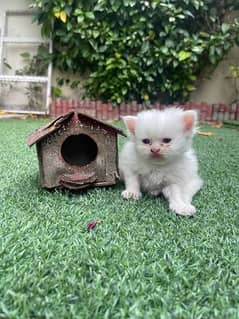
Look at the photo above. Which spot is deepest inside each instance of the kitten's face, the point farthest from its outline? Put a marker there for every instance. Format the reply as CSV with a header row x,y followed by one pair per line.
x,y
161,136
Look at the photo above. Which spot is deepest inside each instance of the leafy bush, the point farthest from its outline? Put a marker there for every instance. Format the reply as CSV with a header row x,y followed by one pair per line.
x,y
138,49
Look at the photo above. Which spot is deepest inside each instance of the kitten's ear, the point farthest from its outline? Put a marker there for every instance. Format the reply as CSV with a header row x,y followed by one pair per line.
x,y
189,121
130,122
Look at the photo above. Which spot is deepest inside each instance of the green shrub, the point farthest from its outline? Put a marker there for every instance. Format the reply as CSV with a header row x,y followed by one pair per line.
x,y
136,49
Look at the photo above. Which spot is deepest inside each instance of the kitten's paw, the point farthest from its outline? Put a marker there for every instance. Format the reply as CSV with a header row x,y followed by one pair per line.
x,y
131,195
183,209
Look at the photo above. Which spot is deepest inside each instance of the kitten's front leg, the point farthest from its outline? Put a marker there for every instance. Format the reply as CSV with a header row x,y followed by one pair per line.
x,y
191,188
174,195
132,186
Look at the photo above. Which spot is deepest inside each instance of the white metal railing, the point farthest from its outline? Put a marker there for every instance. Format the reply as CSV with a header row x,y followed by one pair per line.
x,y
4,39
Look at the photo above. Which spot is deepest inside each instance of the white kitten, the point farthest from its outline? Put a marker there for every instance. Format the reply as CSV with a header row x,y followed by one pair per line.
x,y
159,157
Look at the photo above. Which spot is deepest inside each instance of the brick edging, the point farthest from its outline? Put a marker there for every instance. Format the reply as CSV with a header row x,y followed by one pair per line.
x,y
107,111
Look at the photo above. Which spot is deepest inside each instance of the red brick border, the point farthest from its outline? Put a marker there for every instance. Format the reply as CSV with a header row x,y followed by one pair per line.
x,y
107,111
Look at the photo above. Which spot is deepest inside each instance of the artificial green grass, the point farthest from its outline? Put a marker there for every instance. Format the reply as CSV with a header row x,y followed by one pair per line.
x,y
142,261
231,123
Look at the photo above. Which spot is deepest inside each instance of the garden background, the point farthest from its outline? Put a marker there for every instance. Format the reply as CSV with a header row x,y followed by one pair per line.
x,y
129,51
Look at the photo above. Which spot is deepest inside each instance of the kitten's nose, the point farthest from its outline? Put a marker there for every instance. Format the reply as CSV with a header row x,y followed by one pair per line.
x,y
155,150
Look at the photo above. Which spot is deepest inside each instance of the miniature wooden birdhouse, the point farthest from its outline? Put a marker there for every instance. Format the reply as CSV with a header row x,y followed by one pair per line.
x,y
76,151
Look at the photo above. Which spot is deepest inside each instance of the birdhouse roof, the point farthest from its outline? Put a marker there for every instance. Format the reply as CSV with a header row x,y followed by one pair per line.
x,y
73,116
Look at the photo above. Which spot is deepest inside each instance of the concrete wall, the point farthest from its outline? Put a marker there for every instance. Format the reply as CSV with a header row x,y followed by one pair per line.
x,y
215,84
67,92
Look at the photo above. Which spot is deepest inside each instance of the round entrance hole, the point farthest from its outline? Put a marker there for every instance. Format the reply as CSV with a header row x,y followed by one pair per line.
x,y
79,150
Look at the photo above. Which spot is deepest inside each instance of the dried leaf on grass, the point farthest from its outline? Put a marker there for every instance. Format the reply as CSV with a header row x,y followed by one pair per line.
x,y
206,133
92,224
217,125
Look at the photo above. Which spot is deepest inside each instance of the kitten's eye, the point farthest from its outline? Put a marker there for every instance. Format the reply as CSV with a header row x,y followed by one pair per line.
x,y
146,141
166,140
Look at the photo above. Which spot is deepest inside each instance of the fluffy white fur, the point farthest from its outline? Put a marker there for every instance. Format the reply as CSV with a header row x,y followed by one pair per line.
x,y
158,158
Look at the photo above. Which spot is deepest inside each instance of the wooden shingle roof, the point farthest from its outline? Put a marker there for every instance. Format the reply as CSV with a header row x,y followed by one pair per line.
x,y
57,123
